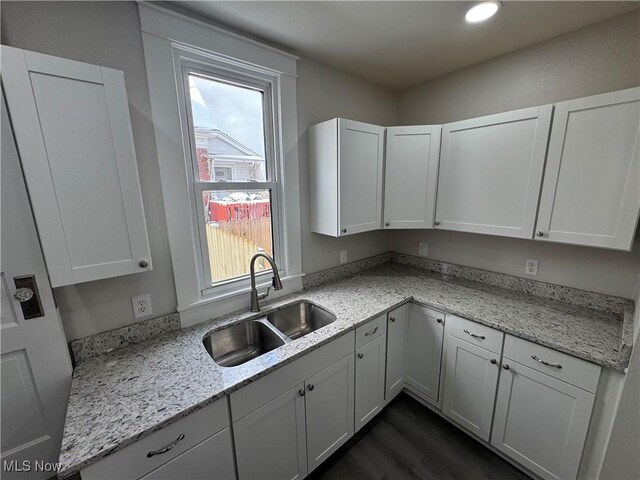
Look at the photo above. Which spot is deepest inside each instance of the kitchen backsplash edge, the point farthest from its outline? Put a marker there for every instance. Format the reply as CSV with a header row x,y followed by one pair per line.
x,y
104,342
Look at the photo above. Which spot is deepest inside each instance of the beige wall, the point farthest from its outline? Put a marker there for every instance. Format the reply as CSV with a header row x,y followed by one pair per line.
x,y
108,33
595,59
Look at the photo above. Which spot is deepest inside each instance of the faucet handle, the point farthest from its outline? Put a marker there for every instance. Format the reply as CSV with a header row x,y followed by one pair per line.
x,y
265,294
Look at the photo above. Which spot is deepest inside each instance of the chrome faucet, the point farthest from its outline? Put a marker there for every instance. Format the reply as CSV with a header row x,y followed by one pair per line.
x,y
275,281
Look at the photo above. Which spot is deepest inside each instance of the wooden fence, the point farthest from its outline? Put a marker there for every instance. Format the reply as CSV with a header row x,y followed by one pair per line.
x,y
231,252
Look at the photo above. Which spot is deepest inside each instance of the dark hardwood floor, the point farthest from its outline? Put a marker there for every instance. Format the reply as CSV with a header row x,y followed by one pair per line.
x,y
408,441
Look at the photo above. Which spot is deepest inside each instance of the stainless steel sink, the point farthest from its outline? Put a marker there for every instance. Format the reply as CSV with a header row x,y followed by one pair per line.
x,y
240,343
300,319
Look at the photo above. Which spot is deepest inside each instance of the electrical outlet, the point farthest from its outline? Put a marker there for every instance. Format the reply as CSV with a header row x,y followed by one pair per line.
x,y
531,267
343,256
422,249
141,306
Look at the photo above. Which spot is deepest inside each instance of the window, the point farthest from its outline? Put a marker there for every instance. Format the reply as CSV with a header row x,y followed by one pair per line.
x,y
234,170
242,112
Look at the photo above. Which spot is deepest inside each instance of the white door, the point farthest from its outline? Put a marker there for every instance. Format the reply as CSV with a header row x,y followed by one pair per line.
x,y
396,341
591,190
209,460
491,171
411,176
361,156
471,379
271,442
36,369
370,367
423,353
330,407
73,132
541,422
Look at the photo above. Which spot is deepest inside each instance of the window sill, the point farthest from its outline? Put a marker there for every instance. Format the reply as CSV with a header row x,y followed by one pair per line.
x,y
216,305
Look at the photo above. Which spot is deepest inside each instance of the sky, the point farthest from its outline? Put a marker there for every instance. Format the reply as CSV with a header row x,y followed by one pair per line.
x,y
235,110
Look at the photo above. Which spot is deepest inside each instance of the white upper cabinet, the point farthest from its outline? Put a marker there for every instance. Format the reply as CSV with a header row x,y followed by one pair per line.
x,y
346,170
591,190
491,171
411,176
72,126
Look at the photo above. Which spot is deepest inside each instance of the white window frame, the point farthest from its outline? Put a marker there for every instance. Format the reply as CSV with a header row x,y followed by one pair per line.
x,y
175,45
186,64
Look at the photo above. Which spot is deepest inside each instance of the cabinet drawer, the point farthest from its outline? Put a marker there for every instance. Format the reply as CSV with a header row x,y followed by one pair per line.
x,y
475,333
132,462
371,330
572,370
209,460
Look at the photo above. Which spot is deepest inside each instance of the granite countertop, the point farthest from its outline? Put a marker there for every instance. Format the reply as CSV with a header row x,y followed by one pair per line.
x,y
129,393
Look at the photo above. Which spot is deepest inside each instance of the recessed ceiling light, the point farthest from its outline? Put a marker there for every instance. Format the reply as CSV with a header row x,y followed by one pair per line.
x,y
482,11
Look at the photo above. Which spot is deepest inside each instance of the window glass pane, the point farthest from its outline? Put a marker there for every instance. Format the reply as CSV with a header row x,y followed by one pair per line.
x,y
229,131
238,225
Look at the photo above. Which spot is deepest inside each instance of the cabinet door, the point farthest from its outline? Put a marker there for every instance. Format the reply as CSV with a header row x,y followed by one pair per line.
x,y
470,385
209,460
411,176
541,422
360,160
271,441
370,362
329,406
591,191
491,171
423,354
396,341
73,132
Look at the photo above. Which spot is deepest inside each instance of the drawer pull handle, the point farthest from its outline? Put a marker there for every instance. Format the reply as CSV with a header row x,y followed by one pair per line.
x,y
167,448
372,332
481,337
557,365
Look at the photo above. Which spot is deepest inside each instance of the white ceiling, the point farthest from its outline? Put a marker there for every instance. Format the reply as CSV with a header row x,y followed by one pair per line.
x,y
398,44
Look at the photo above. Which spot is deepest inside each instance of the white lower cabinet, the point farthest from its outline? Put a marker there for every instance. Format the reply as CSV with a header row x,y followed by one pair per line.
x,y
470,385
290,421
423,351
329,407
258,455
209,460
195,447
370,367
396,341
541,422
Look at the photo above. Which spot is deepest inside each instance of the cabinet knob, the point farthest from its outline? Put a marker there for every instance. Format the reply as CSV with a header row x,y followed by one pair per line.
x,y
361,355
540,233
344,230
506,366
386,224
143,264
301,392
439,320
392,319
436,223
310,387
493,361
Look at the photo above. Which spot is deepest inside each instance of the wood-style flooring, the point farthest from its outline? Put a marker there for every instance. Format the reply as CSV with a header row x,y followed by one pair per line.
x,y
408,441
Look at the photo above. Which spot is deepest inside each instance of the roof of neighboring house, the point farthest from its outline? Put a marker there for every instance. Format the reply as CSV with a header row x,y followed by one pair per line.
x,y
219,144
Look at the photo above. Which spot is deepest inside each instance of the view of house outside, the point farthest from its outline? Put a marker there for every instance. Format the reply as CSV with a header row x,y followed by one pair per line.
x,y
229,136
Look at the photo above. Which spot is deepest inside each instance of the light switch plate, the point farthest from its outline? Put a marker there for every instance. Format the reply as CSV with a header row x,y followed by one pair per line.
x,y
423,248
343,256
141,306
531,267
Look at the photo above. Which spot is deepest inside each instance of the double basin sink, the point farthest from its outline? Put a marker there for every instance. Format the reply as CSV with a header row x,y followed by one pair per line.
x,y
237,344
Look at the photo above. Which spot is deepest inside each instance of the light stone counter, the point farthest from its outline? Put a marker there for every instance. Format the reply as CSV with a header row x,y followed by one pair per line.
x,y
131,392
